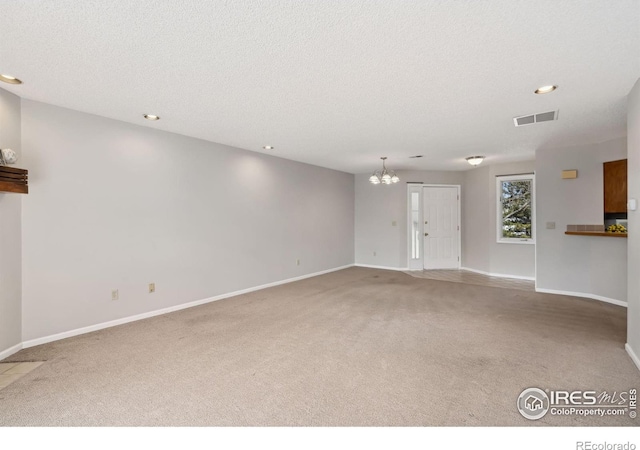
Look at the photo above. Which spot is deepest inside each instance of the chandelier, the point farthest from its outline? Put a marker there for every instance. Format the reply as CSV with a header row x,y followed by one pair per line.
x,y
384,176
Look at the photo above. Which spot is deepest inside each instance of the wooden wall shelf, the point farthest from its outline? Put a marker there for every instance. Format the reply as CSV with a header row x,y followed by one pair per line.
x,y
14,180
596,233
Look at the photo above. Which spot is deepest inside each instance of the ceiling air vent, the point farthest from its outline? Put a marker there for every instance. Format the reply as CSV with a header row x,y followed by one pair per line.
x,y
535,118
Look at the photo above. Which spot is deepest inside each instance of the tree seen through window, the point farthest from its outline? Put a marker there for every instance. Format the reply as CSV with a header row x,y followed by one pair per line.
x,y
516,201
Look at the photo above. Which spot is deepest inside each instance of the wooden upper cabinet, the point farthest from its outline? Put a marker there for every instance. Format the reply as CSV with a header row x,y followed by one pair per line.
x,y
14,180
615,186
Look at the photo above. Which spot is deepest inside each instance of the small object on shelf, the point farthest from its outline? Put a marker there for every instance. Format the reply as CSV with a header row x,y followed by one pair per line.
x,y
7,156
14,180
617,228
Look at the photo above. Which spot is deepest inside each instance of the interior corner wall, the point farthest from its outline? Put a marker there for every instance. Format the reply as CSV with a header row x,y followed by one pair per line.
x,y
378,207
633,189
481,251
117,206
10,233
591,266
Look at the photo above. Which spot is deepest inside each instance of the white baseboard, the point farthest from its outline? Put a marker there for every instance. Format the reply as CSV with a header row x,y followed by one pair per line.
x,y
500,275
10,351
368,266
633,355
158,312
583,295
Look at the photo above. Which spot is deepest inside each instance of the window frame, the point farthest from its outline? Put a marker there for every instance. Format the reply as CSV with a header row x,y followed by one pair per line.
x,y
499,180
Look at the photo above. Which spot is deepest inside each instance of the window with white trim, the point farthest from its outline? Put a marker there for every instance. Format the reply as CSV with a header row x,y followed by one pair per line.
x,y
516,209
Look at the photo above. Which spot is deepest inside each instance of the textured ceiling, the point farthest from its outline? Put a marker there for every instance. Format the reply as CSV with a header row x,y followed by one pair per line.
x,y
336,83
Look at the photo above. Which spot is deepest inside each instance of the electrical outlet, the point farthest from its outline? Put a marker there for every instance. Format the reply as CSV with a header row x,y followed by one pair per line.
x,y
152,288
297,262
394,223
115,295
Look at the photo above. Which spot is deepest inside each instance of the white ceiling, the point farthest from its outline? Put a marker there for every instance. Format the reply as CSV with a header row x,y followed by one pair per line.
x,y
336,83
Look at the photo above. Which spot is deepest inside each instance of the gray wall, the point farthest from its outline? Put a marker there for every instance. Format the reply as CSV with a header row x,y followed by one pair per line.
x,y
481,250
633,156
476,219
117,206
579,264
378,206
10,231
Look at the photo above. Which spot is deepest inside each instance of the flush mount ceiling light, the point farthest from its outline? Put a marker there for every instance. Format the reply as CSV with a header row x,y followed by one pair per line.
x,y
383,176
151,117
475,160
268,147
9,79
546,89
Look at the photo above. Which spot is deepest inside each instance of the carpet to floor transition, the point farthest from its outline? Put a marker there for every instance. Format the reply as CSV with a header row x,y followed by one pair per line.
x,y
358,347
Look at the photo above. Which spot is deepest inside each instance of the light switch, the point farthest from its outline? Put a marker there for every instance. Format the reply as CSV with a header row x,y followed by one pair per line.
x,y
632,204
551,225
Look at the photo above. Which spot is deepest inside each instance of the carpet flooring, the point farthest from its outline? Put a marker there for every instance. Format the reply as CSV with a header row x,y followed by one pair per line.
x,y
357,347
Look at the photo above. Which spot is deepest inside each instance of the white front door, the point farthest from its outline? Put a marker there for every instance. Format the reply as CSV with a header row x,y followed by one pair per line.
x,y
441,227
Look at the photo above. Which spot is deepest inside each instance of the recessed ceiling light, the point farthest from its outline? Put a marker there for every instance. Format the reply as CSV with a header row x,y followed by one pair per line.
x,y
9,79
546,89
268,147
417,156
151,117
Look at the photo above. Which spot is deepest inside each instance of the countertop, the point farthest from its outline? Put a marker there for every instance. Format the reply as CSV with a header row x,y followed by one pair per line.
x,y
596,233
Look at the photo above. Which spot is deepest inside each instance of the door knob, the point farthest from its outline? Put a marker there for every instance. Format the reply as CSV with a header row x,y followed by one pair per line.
x,y
426,234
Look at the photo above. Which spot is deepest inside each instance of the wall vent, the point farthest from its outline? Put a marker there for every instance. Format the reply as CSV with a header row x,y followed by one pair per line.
x,y
535,118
